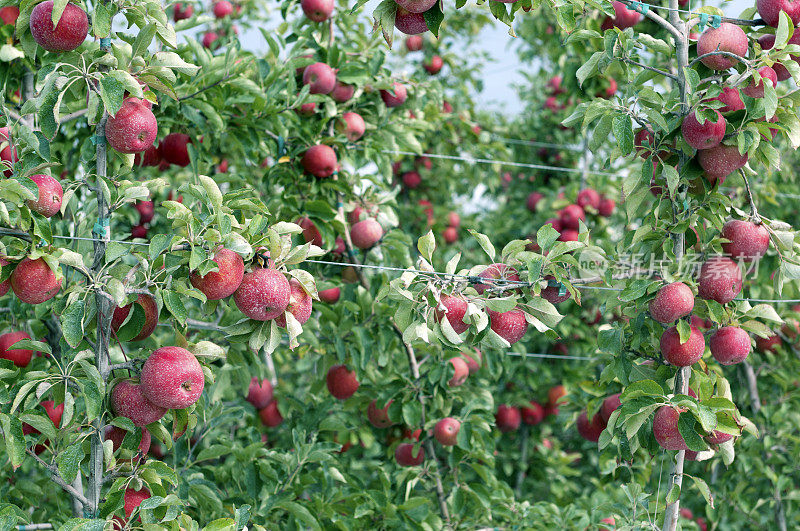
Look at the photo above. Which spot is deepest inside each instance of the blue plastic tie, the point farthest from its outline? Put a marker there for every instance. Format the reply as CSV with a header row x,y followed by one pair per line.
x,y
703,22
562,289
339,204
98,139
105,42
716,20
641,7
100,226
281,146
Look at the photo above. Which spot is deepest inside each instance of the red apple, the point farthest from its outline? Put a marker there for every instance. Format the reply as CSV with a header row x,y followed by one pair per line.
x,y
507,418
68,34
410,23
50,195
133,129
769,10
20,357
455,309
748,241
726,38
270,415
534,414
317,10
665,428
434,65
174,149
320,77
510,325
394,97
756,90
342,383
150,307
172,378
405,456
217,285
222,8
330,295
127,400
682,354
366,233
182,12
352,125
703,135
259,393
672,302
720,280
460,372
263,294
320,161
730,345
379,417
446,431
34,282
299,304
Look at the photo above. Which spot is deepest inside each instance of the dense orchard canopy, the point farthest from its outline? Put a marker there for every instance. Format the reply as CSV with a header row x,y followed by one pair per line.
x,y
316,283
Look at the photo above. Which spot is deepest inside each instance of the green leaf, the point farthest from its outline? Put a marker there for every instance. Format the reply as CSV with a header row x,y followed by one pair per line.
x,y
673,494
72,323
485,243
69,461
112,93
174,303
702,486
300,513
623,132
426,246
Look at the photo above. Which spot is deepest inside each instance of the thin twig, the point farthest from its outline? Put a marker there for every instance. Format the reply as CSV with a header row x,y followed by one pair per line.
x,y
57,479
652,69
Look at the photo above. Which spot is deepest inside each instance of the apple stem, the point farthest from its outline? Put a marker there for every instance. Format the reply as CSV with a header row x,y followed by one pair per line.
x,y
753,209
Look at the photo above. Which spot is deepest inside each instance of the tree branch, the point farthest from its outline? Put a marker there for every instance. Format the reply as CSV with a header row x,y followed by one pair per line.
x,y
647,67
57,479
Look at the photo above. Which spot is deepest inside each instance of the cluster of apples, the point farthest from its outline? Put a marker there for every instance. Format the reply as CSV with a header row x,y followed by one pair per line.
x,y
260,394
365,231
508,418
567,221
591,429
433,64
223,11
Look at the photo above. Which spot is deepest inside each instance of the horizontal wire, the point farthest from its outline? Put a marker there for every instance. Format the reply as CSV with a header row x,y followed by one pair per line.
x,y
549,356
474,160
537,143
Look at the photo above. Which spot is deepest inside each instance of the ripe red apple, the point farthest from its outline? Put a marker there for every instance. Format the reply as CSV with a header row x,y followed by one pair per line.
x,y
34,282
720,280
672,302
50,195
133,499
718,437
756,90
6,284
497,271
703,135
768,41
450,235
330,295
172,378
405,456
9,15
311,233
446,431
182,11
588,197
455,309
133,129
533,200
507,418
610,404
555,394
731,98
20,357
453,219
534,414
682,354
54,413
416,6
222,8
460,372
770,10
551,293
665,428
610,521
217,285
413,43
117,435
624,17
209,38
394,97
259,393
366,233
410,23
68,34
320,161
263,294
342,92
748,241
150,307
730,345
174,149
127,400
8,154
352,125
434,65
379,417
726,38
590,430
768,344
510,325
720,161
342,383
320,77
150,157
299,304
270,415
139,231
606,207
571,216
473,360
411,179
146,211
